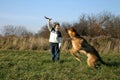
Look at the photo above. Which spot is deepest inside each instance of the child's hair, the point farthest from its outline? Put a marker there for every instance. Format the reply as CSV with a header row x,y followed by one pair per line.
x,y
56,23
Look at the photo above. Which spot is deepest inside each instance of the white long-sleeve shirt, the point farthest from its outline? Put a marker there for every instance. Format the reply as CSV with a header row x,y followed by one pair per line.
x,y
55,36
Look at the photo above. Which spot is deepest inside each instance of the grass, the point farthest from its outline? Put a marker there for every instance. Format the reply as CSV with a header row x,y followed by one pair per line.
x,y
37,65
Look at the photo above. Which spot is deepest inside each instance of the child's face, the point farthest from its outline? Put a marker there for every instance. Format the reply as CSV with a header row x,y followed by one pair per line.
x,y
57,27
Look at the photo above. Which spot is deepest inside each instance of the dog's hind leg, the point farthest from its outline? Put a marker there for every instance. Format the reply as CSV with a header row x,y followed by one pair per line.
x,y
91,60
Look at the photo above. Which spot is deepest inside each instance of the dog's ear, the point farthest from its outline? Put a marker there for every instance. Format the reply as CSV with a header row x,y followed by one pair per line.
x,y
73,29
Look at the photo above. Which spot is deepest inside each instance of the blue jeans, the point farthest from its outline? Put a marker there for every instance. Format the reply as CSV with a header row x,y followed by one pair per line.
x,y
55,52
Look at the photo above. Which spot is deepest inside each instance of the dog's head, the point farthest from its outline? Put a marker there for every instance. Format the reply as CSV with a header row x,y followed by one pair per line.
x,y
71,32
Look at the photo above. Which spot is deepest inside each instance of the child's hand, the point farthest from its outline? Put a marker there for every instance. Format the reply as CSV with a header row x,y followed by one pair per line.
x,y
49,20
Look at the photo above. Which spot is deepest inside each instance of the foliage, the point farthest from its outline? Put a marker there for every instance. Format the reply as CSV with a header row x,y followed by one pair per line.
x,y
92,25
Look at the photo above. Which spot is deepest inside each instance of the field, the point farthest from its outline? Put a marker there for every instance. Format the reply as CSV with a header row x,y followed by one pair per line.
x,y
37,65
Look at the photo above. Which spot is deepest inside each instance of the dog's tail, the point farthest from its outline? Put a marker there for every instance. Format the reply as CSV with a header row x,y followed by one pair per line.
x,y
103,62
100,59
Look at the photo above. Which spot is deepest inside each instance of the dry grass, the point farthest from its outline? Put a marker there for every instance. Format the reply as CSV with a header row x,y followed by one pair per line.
x,y
103,44
23,43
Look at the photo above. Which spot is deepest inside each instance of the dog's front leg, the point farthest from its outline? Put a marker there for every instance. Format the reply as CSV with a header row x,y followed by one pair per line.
x,y
73,53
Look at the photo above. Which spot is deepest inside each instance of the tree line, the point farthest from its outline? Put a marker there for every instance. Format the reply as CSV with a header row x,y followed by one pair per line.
x,y
101,30
104,24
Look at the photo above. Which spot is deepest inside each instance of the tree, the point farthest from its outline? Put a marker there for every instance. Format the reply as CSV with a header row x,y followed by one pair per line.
x,y
44,32
15,30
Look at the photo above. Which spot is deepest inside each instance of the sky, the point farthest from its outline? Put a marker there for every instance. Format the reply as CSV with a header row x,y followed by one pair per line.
x,y
30,13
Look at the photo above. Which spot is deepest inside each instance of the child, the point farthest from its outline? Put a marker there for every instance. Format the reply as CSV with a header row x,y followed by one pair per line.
x,y
55,40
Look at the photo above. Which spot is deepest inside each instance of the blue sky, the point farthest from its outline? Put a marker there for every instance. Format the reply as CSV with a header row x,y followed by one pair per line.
x,y
30,13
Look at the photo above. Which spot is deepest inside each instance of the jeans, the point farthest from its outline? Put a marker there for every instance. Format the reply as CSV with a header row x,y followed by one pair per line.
x,y
55,52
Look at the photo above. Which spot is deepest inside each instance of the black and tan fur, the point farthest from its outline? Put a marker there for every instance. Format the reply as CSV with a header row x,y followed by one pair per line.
x,y
80,45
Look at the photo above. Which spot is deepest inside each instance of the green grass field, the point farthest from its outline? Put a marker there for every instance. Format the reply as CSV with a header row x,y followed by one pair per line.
x,y
37,65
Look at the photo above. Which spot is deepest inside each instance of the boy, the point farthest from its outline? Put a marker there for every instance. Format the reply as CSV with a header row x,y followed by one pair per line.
x,y
55,40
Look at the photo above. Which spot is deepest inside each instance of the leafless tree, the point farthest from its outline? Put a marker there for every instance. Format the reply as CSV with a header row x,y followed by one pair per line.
x,y
14,30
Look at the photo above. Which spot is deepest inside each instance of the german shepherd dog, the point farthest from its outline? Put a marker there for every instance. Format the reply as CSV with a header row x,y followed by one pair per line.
x,y
80,45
